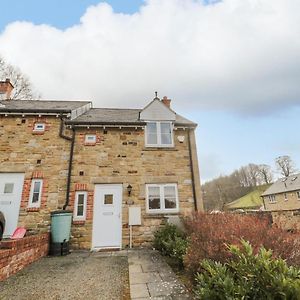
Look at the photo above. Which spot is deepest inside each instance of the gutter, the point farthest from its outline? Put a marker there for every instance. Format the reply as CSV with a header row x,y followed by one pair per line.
x,y
72,140
35,111
192,171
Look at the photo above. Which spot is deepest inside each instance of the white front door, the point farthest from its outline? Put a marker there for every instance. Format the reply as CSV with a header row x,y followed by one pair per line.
x,y
107,216
11,186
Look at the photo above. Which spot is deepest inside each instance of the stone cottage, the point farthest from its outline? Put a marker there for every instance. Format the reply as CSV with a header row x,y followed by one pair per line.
x,y
100,163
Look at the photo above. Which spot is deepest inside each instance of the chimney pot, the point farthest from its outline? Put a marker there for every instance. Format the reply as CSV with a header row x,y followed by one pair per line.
x,y
166,101
6,88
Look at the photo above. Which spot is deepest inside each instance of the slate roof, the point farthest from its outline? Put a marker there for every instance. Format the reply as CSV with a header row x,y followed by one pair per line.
x,y
283,185
40,105
98,116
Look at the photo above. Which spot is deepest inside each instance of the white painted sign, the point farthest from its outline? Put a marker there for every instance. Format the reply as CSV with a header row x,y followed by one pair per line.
x,y
134,215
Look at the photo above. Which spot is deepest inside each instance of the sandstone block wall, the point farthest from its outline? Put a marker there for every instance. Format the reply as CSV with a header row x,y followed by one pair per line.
x,y
120,156
38,155
291,203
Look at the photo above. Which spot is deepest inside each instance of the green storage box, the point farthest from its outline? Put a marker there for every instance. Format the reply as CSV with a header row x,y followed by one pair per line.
x,y
61,226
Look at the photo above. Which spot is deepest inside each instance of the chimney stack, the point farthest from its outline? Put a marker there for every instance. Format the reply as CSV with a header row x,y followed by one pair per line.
x,y
5,89
166,101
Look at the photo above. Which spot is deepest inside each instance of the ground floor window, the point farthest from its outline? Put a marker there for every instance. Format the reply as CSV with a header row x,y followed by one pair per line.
x,y
80,206
35,193
162,198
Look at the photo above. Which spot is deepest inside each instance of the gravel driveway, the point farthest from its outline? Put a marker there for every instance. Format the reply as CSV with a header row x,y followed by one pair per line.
x,y
80,275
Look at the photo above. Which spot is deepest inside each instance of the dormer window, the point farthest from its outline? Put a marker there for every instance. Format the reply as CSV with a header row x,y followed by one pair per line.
x,y
39,127
159,134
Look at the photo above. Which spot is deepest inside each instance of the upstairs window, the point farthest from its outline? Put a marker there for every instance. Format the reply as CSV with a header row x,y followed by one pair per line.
x,y
285,197
39,127
298,195
90,139
159,134
162,198
35,193
272,198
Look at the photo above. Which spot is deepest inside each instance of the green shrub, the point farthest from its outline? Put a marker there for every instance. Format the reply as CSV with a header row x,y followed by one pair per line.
x,y
248,276
171,241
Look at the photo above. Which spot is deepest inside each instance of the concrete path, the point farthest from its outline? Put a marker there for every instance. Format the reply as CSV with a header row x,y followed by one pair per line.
x,y
150,277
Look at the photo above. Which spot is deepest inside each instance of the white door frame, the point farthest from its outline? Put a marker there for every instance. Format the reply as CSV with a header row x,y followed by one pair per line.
x,y
98,192
16,196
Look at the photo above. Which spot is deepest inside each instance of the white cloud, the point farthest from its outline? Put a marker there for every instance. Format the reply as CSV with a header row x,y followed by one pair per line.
x,y
239,55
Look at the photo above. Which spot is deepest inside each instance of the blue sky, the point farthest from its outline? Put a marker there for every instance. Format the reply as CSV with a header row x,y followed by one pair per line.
x,y
59,13
247,106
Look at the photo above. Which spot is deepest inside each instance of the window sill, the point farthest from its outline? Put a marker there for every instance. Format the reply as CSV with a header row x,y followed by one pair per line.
x,y
78,222
159,149
32,209
38,132
160,215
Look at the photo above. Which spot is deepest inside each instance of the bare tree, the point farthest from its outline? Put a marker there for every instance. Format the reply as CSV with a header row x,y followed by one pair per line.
x,y
285,165
265,174
23,88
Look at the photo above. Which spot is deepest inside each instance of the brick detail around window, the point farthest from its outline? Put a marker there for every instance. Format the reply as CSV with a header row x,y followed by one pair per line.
x,y
39,120
80,187
26,195
37,175
78,223
90,205
99,138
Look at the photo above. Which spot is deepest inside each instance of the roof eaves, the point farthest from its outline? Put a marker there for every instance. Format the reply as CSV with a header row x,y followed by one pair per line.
x,y
37,111
86,123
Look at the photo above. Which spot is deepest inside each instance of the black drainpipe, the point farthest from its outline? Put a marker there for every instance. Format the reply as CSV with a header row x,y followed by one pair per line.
x,y
72,139
70,169
192,170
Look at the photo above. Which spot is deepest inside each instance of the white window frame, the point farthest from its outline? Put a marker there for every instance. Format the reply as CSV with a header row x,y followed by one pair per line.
x,y
36,129
87,141
75,216
272,198
38,203
158,133
162,202
298,195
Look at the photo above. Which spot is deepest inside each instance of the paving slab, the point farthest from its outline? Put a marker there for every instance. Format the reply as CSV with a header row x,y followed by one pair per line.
x,y
150,277
139,291
135,278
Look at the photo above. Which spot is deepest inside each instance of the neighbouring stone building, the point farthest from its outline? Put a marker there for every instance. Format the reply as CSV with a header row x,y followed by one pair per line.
x,y
284,194
100,164
282,199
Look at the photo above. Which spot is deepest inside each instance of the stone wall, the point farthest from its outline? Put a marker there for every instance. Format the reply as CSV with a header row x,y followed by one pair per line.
x,y
119,156
288,220
38,155
291,203
17,254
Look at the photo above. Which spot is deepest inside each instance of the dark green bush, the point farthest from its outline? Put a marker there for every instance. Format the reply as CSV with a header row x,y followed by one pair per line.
x,y
171,241
248,276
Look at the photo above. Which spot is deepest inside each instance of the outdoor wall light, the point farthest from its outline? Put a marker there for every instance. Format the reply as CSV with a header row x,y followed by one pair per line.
x,y
129,189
